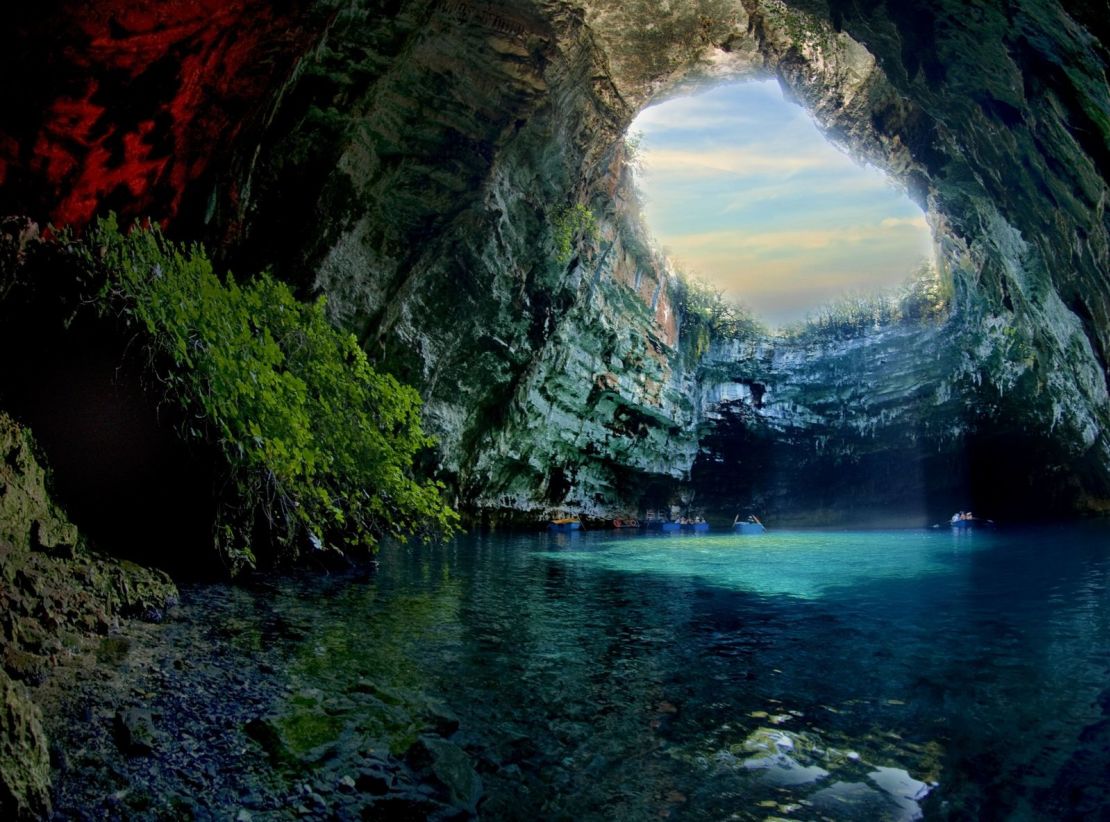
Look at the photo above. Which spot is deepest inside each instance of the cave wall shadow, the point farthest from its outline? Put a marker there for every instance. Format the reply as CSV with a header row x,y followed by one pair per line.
x,y
999,473
116,465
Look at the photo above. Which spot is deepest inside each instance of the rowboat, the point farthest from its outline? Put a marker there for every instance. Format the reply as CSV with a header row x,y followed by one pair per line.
x,y
751,525
564,524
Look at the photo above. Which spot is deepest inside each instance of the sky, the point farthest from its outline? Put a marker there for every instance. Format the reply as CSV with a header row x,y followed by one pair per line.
x,y
743,191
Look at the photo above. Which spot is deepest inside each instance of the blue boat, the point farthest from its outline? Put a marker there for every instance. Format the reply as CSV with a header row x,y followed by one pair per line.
x,y
970,524
564,524
664,525
698,527
751,525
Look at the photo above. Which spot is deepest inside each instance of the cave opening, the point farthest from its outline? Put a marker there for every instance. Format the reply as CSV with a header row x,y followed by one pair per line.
x,y
743,191
838,265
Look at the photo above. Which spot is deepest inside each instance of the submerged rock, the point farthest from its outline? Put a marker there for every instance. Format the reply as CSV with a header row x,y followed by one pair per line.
x,y
450,767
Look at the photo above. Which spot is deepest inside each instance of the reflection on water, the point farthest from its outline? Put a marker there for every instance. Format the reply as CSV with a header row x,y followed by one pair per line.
x,y
878,675
796,563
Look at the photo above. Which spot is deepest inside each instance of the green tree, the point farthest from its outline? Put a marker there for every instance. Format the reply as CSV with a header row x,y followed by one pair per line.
x,y
318,447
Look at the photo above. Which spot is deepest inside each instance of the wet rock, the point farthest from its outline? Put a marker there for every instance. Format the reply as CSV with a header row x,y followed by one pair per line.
x,y
55,536
374,782
449,765
443,720
408,808
265,733
24,755
134,731
24,666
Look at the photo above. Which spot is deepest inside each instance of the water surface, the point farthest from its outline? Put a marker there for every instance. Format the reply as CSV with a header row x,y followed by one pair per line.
x,y
843,675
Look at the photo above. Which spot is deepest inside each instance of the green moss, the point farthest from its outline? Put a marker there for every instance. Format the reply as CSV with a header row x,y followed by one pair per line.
x,y
24,758
567,225
308,727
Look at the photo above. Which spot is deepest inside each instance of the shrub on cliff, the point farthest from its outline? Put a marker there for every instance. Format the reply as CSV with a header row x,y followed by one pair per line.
x,y
318,446
707,315
926,296
568,224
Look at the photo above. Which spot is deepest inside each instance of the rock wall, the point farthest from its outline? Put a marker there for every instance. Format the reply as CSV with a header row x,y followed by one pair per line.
x,y
549,386
54,596
410,159
888,427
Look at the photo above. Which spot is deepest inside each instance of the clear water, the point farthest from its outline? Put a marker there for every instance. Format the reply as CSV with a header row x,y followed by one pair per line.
x,y
857,675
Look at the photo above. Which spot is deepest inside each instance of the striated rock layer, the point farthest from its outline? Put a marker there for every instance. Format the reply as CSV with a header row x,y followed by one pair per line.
x,y
415,160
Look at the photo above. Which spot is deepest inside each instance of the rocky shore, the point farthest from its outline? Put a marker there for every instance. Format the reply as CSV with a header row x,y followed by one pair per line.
x,y
58,601
111,710
146,729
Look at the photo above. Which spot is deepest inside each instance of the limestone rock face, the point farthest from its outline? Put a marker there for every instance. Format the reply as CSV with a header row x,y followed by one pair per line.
x,y
412,160
887,427
24,757
52,592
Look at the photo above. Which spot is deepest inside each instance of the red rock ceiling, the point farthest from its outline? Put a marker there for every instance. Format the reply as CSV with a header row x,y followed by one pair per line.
x,y
132,101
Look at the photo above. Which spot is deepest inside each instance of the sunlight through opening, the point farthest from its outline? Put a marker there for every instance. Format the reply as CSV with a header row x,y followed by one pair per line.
x,y
742,190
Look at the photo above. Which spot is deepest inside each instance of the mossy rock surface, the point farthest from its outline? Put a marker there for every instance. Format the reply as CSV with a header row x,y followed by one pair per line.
x,y
24,757
53,591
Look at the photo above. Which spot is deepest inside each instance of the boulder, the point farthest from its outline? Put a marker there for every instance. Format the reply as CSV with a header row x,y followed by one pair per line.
x,y
449,766
24,755
134,731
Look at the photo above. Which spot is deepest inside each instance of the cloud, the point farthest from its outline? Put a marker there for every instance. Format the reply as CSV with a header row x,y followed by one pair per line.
x,y
808,190
667,119
754,160
744,191
797,241
905,222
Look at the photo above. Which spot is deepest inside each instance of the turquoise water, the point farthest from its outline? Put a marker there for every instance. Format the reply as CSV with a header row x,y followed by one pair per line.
x,y
857,675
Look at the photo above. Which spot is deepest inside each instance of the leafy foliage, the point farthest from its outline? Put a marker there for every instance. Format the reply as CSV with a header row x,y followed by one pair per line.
x,y
707,315
319,447
568,224
926,296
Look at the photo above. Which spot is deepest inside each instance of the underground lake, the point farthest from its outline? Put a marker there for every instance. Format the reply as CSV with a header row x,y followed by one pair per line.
x,y
848,675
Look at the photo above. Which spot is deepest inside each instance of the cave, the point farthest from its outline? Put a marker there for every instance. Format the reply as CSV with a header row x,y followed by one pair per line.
x,y
117,464
426,245
449,184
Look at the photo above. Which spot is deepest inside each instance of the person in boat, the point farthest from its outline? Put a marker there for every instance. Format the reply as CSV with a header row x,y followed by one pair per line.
x,y
959,515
